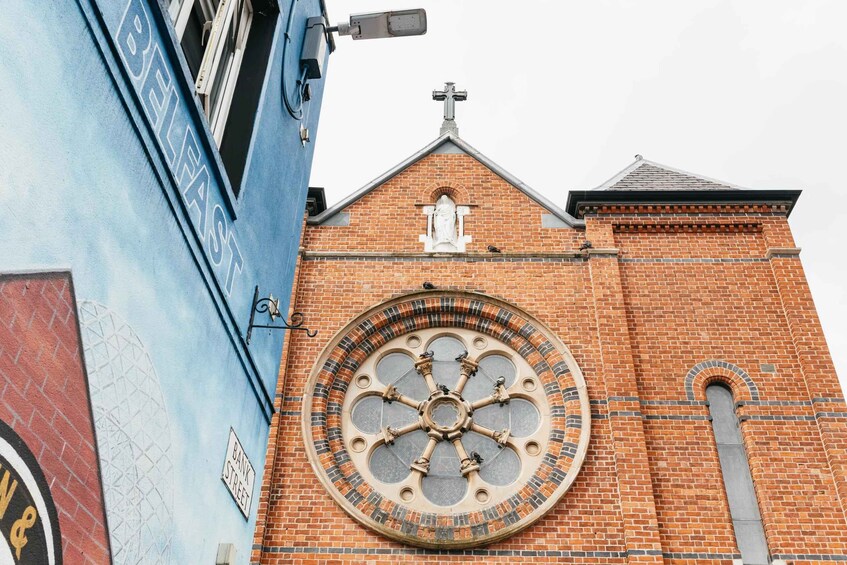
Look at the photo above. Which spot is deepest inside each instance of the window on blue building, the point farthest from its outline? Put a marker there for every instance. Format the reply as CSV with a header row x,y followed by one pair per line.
x,y
218,33
227,44
193,22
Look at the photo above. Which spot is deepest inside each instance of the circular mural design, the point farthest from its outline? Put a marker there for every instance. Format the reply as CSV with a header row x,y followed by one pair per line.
x,y
133,436
29,524
446,420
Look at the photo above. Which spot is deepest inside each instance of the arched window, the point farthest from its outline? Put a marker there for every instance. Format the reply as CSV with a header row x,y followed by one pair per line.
x,y
746,520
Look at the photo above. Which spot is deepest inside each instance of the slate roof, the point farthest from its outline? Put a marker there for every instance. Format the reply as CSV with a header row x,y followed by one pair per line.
x,y
649,175
646,182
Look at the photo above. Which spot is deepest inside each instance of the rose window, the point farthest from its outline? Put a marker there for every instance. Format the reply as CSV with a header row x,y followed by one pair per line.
x,y
445,419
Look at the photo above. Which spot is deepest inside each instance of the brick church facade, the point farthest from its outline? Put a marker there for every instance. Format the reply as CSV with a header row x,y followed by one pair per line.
x,y
595,440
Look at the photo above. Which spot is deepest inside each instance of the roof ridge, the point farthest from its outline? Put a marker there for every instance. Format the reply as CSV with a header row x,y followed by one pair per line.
x,y
640,162
619,175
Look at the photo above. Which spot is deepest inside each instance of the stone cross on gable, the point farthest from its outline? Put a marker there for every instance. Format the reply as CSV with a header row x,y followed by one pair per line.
x,y
450,96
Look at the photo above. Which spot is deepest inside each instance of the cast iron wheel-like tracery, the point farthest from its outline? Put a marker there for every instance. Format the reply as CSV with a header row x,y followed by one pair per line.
x,y
441,429
449,421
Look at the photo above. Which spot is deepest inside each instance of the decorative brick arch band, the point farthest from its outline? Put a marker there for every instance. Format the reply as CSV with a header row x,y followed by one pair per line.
x,y
706,372
562,381
456,191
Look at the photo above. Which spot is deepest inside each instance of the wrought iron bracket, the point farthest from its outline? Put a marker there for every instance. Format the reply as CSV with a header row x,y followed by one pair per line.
x,y
271,306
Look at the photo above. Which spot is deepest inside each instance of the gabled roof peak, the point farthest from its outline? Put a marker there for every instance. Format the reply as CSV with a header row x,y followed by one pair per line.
x,y
447,143
643,174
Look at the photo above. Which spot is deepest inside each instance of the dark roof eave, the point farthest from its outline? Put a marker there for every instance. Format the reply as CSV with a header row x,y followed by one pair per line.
x,y
577,198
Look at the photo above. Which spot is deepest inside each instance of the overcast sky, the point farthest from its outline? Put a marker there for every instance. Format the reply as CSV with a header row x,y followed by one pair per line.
x,y
563,94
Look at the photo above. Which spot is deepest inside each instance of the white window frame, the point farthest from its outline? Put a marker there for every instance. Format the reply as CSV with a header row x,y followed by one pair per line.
x,y
223,14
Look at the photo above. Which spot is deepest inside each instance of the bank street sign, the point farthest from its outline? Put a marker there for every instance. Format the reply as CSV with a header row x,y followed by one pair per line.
x,y
238,474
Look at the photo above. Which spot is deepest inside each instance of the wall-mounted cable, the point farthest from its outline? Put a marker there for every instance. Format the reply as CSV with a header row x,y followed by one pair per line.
x,y
295,109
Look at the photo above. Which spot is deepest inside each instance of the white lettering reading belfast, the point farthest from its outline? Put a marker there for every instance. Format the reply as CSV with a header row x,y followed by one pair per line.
x,y
152,78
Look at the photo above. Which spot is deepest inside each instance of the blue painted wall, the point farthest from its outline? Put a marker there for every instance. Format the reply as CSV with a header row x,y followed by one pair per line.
x,y
107,168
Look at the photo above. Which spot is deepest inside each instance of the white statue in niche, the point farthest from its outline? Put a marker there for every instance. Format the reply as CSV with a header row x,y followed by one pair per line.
x,y
445,227
444,219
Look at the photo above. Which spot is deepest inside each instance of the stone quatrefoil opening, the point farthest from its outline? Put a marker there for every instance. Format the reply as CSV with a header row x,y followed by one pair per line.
x,y
445,421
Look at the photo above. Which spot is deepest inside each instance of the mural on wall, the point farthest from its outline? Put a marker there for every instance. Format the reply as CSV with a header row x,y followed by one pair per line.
x,y
28,519
133,433
51,500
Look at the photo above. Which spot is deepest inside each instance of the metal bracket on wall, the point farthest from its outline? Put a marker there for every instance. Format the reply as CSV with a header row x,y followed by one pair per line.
x,y
271,306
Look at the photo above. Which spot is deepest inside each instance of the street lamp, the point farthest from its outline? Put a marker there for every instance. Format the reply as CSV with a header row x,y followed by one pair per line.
x,y
318,40
377,25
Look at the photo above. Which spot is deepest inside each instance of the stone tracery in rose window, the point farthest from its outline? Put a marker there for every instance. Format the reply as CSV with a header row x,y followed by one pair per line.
x,y
446,418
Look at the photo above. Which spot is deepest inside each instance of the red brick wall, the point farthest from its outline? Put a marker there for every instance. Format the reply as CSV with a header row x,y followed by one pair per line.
x,y
499,216
682,313
45,401
684,287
